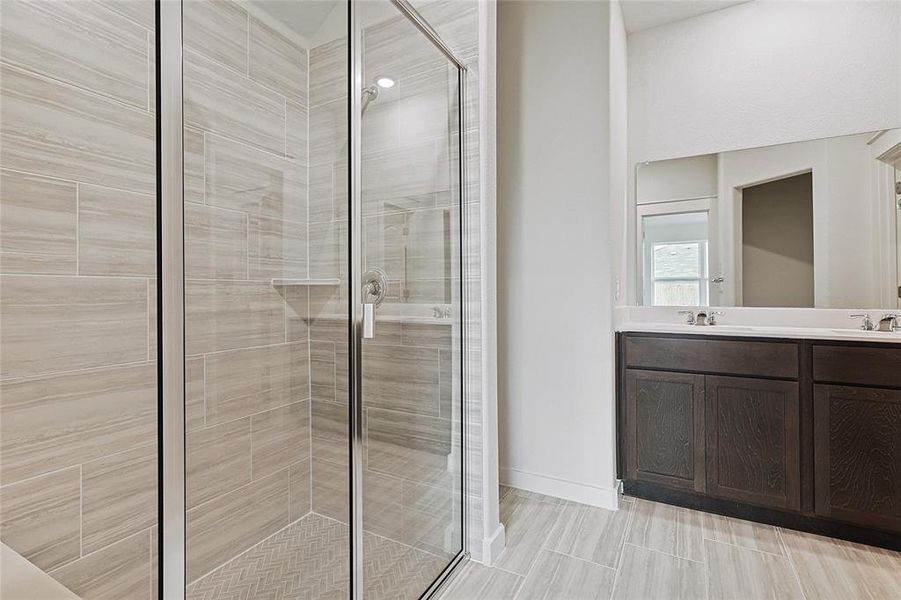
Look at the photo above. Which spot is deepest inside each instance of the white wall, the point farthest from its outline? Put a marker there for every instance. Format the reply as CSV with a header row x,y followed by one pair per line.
x,y
764,73
756,74
555,347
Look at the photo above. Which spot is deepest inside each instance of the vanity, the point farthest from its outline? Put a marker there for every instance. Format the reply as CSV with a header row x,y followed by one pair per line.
x,y
796,427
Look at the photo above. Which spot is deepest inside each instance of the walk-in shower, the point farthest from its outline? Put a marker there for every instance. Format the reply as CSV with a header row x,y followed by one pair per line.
x,y
232,299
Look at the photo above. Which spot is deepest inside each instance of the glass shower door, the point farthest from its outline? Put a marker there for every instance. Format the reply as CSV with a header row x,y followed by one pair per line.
x,y
410,205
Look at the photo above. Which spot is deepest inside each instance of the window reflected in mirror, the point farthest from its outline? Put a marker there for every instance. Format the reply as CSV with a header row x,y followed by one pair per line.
x,y
675,249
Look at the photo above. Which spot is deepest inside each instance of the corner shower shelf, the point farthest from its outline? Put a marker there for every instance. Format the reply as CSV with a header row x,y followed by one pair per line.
x,y
302,282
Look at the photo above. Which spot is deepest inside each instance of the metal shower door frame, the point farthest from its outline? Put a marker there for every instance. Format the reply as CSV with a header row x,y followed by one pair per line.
x,y
355,306
171,471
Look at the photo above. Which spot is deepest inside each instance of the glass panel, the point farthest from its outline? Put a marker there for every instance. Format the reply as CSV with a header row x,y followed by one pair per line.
x,y
674,269
266,115
78,280
412,478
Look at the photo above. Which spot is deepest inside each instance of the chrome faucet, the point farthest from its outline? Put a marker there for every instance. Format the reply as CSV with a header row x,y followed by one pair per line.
x,y
702,318
867,324
689,316
890,323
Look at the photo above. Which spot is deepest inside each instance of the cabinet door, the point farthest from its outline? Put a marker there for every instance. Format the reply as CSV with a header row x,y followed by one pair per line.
x,y
665,428
857,439
753,441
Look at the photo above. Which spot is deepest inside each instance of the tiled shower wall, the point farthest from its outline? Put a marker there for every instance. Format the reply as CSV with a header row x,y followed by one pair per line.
x,y
78,261
248,409
78,293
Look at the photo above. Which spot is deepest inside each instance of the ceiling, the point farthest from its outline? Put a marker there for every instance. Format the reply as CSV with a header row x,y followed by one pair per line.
x,y
304,18
644,14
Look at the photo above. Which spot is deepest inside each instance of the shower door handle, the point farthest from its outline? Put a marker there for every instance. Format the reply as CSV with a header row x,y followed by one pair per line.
x,y
368,321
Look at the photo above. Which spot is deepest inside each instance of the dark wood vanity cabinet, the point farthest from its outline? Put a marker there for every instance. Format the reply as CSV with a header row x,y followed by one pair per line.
x,y
665,413
801,433
753,441
857,434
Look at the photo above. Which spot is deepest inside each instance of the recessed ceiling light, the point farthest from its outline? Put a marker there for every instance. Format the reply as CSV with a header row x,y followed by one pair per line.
x,y
385,82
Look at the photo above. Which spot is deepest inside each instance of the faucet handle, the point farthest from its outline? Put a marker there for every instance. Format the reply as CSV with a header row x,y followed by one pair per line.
x,y
689,316
890,322
712,315
867,324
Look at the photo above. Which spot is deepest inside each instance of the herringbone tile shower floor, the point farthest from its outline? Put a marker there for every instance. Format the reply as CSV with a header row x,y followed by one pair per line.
x,y
308,560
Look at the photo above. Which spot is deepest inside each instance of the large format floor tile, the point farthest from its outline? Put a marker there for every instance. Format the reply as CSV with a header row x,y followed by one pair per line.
x,y
647,550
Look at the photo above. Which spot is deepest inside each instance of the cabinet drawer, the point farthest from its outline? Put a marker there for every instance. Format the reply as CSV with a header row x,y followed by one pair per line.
x,y
877,366
704,355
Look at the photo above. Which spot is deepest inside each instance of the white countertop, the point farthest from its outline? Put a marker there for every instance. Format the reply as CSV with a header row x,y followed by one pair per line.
x,y
768,331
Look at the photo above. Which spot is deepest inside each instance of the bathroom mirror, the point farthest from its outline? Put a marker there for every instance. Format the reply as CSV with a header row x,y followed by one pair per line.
x,y
813,224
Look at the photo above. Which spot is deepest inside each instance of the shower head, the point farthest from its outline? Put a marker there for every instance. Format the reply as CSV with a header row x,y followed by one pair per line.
x,y
370,94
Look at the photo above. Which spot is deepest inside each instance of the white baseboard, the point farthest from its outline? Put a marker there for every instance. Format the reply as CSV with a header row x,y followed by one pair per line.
x,y
493,546
593,495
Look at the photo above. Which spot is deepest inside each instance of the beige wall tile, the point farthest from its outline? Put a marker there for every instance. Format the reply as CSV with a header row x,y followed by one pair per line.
x,y
429,510
384,514
81,43
297,305
221,315
37,224
217,100
194,165
243,382
281,437
277,249
278,62
321,186
407,445
328,72
394,46
328,250
116,232
322,371
239,177
53,422
330,485
298,134
119,571
328,133
40,518
67,323
418,334
301,489
735,572
223,528
218,460
215,243
139,11
329,432
218,30
119,497
406,178
54,129
401,378
194,395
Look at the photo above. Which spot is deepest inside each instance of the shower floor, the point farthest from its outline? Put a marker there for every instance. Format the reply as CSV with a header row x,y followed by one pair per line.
x,y
308,559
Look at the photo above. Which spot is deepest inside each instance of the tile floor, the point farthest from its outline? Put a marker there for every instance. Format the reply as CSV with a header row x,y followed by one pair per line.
x,y
308,560
562,550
